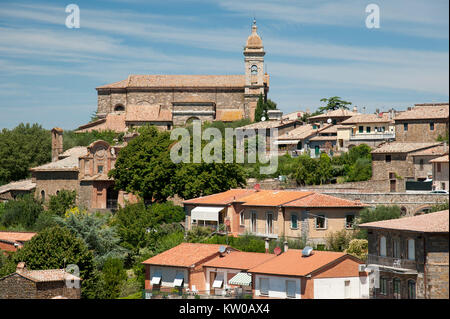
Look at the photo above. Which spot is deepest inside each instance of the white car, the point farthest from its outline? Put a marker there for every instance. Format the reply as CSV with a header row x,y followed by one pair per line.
x,y
439,191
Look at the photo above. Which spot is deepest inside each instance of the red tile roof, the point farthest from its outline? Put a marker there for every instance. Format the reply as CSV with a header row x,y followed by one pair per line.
x,y
420,112
239,260
322,200
12,236
292,263
223,198
272,197
184,255
442,159
47,275
147,113
428,223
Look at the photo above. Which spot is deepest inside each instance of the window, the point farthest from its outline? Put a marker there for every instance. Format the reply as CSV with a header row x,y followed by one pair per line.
x,y
269,223
411,249
242,218
443,186
383,286
405,127
254,70
321,222
264,286
294,221
397,288
431,126
253,220
368,129
361,129
383,246
169,126
438,167
391,175
388,158
349,220
119,108
411,289
290,288
42,195
396,248
100,169
421,164
347,289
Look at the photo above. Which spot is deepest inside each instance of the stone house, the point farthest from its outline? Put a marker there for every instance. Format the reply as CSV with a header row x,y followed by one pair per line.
x,y
40,284
273,213
397,163
411,254
422,123
333,117
10,241
174,100
440,173
12,190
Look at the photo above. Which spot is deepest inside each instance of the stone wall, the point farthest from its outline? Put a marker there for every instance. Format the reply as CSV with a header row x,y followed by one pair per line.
x,y
419,130
437,266
51,182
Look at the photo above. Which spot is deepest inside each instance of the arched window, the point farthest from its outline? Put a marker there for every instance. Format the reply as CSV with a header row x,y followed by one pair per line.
x,y
411,249
119,108
403,210
411,289
396,248
42,195
383,246
397,285
254,70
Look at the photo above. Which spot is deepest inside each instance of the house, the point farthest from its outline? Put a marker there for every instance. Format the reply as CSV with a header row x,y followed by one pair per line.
x,y
324,141
175,100
440,173
422,123
333,117
81,169
404,165
310,274
180,267
40,284
411,255
10,241
273,213
369,129
12,190
293,116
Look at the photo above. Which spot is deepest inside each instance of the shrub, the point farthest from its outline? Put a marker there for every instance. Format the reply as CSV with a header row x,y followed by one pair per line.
x,y
23,211
58,204
338,240
358,248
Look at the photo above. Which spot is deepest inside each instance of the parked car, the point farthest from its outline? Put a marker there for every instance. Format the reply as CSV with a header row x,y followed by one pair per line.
x,y
439,191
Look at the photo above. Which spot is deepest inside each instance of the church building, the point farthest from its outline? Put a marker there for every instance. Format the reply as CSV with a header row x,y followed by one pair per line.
x,y
175,100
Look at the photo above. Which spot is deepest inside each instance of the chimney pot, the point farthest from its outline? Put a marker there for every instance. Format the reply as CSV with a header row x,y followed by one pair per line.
x,y
20,267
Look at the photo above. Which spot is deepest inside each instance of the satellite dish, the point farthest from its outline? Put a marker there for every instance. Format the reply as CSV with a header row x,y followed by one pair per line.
x,y
222,249
277,251
307,251
263,119
329,121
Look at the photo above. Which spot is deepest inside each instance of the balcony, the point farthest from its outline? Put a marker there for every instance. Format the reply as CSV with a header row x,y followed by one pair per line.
x,y
372,136
394,264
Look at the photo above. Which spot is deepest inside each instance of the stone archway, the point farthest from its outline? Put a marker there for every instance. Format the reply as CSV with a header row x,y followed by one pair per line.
x,y
422,210
190,120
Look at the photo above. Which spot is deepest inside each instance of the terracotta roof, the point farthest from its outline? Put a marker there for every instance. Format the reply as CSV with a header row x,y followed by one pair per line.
x,y
292,263
47,275
223,198
165,81
322,200
272,197
402,147
299,133
328,129
432,151
23,185
428,223
335,113
184,255
229,115
442,159
147,113
265,124
323,138
239,260
16,236
368,118
293,115
113,121
425,112
68,163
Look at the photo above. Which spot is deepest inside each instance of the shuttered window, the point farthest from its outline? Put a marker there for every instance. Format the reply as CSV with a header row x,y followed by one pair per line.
x,y
264,286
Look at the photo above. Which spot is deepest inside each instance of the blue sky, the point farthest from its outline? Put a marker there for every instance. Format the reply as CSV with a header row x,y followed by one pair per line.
x,y
314,49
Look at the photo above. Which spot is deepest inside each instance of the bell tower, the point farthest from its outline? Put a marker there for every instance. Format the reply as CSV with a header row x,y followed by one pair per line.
x,y
256,81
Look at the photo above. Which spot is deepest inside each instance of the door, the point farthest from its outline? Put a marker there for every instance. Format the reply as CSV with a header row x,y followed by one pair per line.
x,y
392,186
269,224
317,151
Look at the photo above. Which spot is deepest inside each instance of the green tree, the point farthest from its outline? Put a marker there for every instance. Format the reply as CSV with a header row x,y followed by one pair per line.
x,y
58,204
55,248
333,103
262,107
338,240
306,171
361,170
22,212
112,278
378,213
7,265
358,248
22,148
324,168
72,139
439,207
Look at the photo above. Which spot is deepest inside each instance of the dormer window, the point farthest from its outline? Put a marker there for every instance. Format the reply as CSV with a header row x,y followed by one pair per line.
x,y
254,70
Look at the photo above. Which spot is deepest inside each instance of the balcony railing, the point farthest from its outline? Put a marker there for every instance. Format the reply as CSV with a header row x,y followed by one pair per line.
x,y
398,263
372,136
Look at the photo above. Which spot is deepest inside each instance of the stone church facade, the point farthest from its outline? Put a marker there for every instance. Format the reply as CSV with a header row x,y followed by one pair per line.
x,y
174,100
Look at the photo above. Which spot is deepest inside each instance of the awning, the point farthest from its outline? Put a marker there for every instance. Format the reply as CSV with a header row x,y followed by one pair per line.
x,y
179,278
206,213
286,142
156,279
241,279
218,281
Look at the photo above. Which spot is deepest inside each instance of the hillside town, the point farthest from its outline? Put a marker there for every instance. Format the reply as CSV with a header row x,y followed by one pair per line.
x,y
356,207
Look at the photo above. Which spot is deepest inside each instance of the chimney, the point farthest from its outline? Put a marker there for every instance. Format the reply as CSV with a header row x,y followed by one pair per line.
x,y
267,245
274,115
285,246
355,109
57,143
20,267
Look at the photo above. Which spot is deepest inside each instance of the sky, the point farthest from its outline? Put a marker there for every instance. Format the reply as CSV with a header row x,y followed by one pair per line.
x,y
314,49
